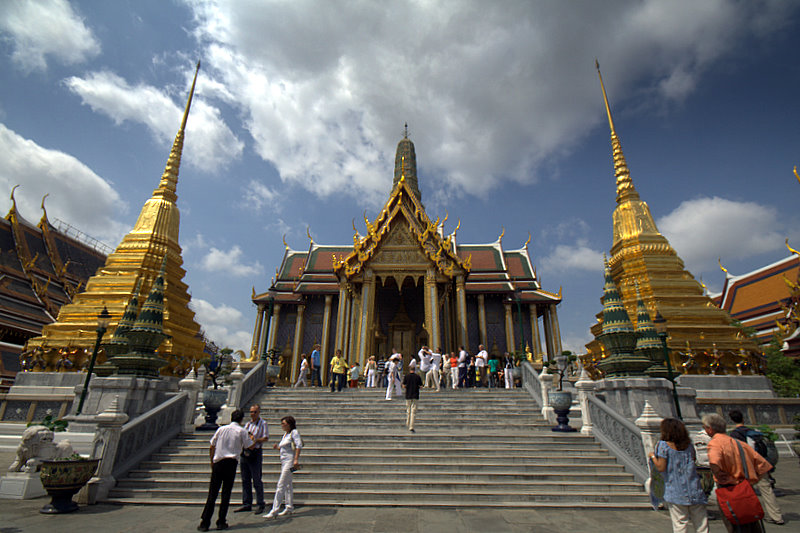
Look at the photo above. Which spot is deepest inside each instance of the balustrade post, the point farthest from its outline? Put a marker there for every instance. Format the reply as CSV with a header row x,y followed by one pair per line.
x,y
191,386
104,447
237,376
649,424
546,381
585,387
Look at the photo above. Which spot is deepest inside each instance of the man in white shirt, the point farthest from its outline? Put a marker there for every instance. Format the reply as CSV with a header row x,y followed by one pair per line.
x,y
226,447
251,460
481,360
393,375
424,355
433,372
463,361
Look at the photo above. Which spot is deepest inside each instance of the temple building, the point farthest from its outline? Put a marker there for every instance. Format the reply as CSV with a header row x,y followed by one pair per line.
x,y
700,334
402,285
130,272
42,267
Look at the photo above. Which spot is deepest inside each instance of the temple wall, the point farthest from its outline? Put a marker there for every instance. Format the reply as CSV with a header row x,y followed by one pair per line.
x,y
495,324
473,332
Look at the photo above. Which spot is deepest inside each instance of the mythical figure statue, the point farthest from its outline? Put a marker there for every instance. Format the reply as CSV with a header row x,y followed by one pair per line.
x,y
37,445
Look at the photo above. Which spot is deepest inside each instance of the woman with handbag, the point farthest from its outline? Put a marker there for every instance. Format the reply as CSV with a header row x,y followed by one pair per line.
x,y
675,456
736,467
289,446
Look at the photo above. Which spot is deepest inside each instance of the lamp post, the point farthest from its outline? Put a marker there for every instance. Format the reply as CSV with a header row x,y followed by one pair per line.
x,y
661,328
102,325
269,323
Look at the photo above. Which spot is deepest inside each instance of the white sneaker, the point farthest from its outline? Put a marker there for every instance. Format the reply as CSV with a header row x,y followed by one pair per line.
x,y
270,515
286,512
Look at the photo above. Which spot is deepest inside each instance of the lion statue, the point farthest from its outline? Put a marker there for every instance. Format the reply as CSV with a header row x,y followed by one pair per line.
x,y
37,445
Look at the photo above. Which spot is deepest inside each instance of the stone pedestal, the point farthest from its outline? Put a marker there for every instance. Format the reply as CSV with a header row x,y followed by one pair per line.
x,y
104,447
627,396
40,383
728,387
21,486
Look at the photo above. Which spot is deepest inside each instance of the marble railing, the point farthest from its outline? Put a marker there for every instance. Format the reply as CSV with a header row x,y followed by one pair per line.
x,y
148,432
253,382
619,435
530,382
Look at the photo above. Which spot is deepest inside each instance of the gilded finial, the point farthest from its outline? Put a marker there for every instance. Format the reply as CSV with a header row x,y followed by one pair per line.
x,y
625,186
354,225
719,261
253,294
502,232
528,241
284,242
457,226
405,131
791,249
796,175
403,168
308,232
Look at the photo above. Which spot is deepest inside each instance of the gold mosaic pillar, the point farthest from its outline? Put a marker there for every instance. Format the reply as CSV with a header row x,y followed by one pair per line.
x,y
256,344
510,346
548,334
461,304
556,330
537,344
365,336
341,317
298,339
482,319
273,326
324,355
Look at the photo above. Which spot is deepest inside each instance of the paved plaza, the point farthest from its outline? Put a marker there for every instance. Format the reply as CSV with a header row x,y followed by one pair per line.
x,y
23,516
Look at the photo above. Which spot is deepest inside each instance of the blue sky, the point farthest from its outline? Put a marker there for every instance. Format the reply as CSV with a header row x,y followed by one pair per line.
x,y
300,106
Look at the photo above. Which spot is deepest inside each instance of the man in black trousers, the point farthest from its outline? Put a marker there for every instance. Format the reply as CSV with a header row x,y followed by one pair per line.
x,y
226,447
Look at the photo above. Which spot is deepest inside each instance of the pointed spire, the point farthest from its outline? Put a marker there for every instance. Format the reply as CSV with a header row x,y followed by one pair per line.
x,y
405,165
646,334
168,185
151,317
128,317
625,188
615,317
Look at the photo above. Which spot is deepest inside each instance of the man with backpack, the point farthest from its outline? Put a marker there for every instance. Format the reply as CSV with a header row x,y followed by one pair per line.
x,y
757,441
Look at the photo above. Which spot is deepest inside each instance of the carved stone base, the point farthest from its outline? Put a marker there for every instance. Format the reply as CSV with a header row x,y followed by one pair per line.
x,y
21,486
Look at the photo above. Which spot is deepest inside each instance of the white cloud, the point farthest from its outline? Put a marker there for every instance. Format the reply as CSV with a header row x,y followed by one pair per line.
x,y
229,262
576,342
576,256
40,28
258,195
222,324
489,89
705,229
209,143
78,196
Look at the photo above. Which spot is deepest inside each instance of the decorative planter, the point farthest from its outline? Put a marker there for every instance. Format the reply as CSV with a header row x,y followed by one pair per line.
x,y
561,401
213,400
273,371
62,479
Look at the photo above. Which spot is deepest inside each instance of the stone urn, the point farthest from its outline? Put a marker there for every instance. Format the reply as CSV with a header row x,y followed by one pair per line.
x,y
273,371
213,400
62,479
561,401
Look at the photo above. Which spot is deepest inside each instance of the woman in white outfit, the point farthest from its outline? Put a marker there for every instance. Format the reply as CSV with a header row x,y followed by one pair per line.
x,y
393,375
371,369
303,372
289,463
508,371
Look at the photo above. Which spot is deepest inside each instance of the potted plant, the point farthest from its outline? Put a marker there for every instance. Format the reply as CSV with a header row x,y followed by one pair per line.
x,y
561,400
62,478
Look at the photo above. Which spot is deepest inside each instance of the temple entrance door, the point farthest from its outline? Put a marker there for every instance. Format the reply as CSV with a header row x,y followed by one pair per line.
x,y
402,338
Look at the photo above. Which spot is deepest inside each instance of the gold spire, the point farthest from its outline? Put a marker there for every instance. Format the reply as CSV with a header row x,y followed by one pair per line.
x,y
625,188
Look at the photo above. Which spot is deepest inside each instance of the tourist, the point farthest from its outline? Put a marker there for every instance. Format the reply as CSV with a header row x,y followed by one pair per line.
x,y
453,364
508,370
463,365
471,371
493,370
432,376
675,456
251,460
226,447
480,366
289,446
393,375
381,372
338,371
411,383
772,512
301,379
370,371
316,369
355,372
726,463
425,356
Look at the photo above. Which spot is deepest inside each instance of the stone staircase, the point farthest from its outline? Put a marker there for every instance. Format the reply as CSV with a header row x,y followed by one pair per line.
x,y
490,447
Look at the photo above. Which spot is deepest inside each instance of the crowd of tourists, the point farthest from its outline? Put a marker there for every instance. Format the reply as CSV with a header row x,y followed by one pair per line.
x,y
736,462
437,369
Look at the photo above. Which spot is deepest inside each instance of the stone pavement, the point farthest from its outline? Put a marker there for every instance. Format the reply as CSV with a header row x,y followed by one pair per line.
x,y
23,516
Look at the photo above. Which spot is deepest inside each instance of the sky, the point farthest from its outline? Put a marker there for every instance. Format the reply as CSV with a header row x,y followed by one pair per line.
x,y
300,104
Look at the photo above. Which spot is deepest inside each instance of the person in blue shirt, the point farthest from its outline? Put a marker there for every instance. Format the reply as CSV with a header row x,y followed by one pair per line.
x,y
315,367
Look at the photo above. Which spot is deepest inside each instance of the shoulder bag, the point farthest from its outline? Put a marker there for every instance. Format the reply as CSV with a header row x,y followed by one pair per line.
x,y
739,502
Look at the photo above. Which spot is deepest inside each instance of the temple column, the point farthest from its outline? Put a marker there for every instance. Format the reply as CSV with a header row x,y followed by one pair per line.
x,y
367,314
273,327
482,319
556,330
548,334
536,348
324,357
461,311
298,339
432,309
341,317
262,343
256,344
510,346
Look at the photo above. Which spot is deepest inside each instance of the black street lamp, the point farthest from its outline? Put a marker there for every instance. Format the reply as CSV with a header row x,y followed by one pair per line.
x,y
102,325
661,328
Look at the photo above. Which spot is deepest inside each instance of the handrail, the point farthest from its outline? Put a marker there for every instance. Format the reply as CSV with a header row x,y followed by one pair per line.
x,y
530,382
147,433
253,382
621,436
